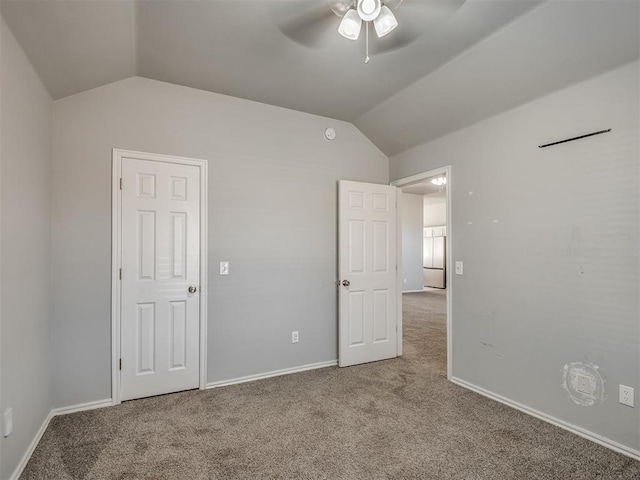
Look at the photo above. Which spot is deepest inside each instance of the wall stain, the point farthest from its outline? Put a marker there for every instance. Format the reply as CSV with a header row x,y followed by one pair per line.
x,y
584,383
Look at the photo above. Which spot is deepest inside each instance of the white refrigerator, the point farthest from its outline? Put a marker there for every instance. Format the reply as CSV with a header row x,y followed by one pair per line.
x,y
434,257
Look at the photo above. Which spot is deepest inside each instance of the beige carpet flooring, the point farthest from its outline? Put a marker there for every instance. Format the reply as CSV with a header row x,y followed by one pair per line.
x,y
396,419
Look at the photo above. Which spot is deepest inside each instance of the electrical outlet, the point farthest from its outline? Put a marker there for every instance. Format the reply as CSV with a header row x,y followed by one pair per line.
x,y
626,395
7,422
294,336
459,268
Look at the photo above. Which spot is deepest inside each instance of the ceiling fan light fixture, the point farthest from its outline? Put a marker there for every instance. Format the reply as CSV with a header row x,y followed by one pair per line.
x,y
350,25
386,22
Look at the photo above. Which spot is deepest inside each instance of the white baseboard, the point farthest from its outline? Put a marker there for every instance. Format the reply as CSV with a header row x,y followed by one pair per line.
x,y
594,437
274,373
413,291
83,406
54,413
32,446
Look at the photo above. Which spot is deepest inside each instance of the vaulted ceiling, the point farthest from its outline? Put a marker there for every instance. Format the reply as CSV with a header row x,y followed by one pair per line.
x,y
472,59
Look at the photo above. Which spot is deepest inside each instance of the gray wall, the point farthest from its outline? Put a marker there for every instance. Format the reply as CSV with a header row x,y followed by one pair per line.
x,y
25,274
272,215
550,244
411,242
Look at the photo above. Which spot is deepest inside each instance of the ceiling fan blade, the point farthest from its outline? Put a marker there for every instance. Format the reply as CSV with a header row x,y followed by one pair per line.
x,y
435,6
309,26
340,7
392,4
426,17
390,43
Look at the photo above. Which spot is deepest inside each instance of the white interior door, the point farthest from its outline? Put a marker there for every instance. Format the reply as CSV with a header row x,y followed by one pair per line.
x,y
160,311
367,273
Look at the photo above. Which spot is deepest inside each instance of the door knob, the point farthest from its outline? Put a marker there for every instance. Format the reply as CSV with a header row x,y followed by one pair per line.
x,y
193,289
346,283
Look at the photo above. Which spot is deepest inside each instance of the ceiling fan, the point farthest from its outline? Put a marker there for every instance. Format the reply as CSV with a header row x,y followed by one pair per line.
x,y
311,26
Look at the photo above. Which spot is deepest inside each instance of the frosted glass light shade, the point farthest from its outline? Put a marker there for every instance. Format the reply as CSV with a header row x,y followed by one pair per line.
x,y
385,22
350,25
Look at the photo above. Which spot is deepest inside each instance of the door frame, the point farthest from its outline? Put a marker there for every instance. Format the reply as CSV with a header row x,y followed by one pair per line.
x,y
116,259
405,182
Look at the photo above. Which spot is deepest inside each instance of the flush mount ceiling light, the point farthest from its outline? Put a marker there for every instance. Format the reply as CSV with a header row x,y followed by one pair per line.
x,y
439,181
367,11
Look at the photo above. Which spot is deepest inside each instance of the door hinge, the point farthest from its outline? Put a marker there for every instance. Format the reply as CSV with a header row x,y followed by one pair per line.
x,y
120,183
120,364
120,274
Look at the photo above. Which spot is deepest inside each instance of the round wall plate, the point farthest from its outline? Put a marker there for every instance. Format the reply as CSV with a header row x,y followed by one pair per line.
x,y
329,133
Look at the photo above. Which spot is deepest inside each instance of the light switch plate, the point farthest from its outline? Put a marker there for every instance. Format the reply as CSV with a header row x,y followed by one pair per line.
x,y
224,268
7,422
459,269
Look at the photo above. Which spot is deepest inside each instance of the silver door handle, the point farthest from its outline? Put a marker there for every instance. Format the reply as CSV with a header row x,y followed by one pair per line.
x,y
193,289
346,283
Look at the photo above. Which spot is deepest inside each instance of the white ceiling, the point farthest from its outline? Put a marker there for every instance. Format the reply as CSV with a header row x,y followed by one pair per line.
x,y
481,58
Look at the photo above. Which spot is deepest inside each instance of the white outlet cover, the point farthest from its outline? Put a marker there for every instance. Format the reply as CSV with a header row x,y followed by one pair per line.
x,y
459,268
626,396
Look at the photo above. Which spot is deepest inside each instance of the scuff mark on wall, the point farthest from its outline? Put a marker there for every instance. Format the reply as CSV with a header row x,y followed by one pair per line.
x,y
584,383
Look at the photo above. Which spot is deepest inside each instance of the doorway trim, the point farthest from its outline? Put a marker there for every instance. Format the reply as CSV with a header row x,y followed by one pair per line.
x,y
405,182
116,258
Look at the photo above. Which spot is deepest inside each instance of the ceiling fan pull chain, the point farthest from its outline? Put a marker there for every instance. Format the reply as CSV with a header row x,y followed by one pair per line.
x,y
366,58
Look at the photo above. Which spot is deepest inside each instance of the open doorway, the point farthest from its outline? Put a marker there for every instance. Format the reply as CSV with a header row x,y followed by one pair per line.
x,y
424,278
